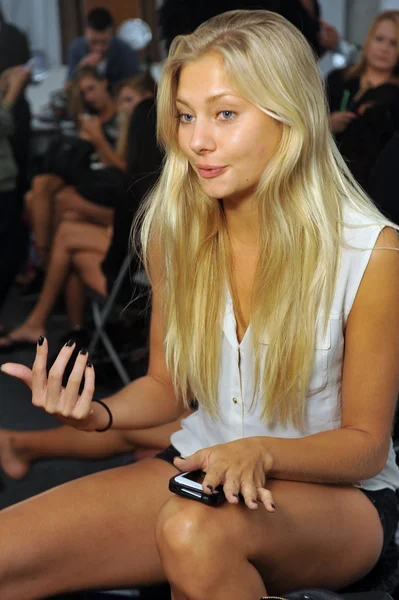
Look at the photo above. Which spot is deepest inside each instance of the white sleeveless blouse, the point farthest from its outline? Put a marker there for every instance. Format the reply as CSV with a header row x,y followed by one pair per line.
x,y
323,404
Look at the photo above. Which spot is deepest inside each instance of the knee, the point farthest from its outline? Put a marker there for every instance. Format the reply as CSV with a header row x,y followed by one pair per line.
x,y
189,539
40,183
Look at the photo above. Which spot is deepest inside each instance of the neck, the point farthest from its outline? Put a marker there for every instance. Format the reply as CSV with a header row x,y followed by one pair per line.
x,y
107,110
376,76
242,223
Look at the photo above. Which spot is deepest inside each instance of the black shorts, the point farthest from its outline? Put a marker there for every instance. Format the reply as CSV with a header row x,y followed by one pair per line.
x,y
384,500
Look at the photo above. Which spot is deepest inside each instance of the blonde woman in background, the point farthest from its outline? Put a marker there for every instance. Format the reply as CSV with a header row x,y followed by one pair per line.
x,y
267,261
378,64
79,247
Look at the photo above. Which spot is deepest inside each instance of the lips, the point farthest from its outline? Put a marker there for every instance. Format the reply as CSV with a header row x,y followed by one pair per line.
x,y
209,172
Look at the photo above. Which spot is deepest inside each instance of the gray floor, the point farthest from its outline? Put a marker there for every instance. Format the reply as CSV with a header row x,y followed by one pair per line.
x,y
17,412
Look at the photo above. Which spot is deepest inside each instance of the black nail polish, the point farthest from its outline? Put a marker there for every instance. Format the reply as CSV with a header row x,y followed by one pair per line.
x,y
40,341
273,506
83,351
210,487
69,343
88,364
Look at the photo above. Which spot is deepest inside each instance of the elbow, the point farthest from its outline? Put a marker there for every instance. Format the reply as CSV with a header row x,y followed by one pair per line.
x,y
373,455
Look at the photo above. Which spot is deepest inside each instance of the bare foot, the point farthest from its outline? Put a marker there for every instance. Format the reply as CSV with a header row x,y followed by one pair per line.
x,y
24,333
11,460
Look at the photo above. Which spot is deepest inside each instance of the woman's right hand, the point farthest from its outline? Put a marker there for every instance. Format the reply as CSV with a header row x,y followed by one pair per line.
x,y
64,402
339,121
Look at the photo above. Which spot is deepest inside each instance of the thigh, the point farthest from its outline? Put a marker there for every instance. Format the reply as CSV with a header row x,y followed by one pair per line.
x,y
325,536
78,236
319,536
95,532
48,182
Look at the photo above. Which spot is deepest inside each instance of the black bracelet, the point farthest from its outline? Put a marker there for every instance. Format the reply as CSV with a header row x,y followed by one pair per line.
x,y
107,408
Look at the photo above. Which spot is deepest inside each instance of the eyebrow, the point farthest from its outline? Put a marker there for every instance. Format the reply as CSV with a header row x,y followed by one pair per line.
x,y
209,100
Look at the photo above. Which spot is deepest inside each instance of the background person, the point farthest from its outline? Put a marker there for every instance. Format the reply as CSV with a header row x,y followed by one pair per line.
x,y
100,48
89,254
12,239
378,64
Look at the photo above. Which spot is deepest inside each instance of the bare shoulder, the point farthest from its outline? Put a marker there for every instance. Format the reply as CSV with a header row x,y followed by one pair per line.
x,y
371,359
380,282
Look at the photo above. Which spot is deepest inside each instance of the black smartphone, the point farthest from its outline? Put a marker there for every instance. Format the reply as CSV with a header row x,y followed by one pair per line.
x,y
189,485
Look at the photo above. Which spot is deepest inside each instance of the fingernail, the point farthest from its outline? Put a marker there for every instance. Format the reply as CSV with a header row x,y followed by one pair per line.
x,y
40,341
88,364
83,351
254,501
273,506
69,343
210,487
236,496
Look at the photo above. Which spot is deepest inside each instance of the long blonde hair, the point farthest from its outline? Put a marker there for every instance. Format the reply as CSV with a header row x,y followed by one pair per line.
x,y
360,67
299,200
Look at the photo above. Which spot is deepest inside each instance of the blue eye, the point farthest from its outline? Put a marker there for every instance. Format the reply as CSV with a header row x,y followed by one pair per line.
x,y
227,115
185,118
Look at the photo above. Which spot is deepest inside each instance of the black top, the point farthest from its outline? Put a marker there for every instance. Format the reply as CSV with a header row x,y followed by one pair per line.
x,y
177,17
383,183
341,91
14,48
144,159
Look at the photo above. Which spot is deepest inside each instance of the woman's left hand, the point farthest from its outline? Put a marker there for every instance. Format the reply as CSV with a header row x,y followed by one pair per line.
x,y
240,466
90,128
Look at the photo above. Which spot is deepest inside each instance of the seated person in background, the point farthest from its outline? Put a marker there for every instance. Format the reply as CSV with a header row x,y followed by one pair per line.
x,y
365,137
79,248
378,64
11,244
382,184
73,187
14,51
19,449
100,48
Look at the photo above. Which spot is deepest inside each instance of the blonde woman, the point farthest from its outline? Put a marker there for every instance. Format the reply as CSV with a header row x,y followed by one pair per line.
x,y
377,64
266,262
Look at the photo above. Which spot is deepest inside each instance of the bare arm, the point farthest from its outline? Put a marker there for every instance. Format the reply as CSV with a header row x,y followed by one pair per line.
x,y
147,402
370,387
108,155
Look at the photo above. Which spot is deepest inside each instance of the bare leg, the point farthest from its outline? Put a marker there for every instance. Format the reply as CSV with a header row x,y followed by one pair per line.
x,y
233,553
72,206
70,237
75,299
95,532
40,205
88,265
18,449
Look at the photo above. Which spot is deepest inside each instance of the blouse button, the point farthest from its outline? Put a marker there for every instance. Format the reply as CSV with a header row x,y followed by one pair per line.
x,y
235,400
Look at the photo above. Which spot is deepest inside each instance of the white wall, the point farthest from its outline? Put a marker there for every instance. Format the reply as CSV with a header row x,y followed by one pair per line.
x,y
39,19
389,4
333,12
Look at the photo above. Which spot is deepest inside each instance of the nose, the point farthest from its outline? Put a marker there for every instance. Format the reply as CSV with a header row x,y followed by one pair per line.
x,y
202,141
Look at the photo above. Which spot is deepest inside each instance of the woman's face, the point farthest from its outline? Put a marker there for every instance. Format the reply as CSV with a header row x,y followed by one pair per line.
x,y
227,140
94,92
128,100
382,50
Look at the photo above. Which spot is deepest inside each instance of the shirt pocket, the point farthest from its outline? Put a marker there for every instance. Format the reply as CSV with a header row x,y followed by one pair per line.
x,y
319,373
